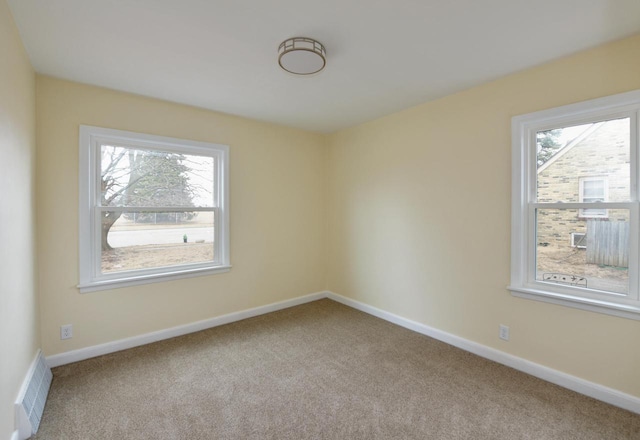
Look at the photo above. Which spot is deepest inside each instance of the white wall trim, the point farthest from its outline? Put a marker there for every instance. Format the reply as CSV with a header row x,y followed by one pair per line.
x,y
582,386
591,389
14,436
135,341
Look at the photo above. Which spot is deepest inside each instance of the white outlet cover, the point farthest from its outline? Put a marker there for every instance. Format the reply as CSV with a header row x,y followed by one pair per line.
x,y
504,332
66,331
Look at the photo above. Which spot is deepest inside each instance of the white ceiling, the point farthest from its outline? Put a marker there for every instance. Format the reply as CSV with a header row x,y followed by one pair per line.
x,y
383,55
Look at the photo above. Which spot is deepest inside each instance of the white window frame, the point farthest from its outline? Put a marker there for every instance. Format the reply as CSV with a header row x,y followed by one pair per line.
x,y
573,240
91,141
524,204
602,213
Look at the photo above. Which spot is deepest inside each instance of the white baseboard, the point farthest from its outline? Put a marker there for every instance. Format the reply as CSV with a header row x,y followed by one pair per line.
x,y
14,436
599,392
135,341
591,389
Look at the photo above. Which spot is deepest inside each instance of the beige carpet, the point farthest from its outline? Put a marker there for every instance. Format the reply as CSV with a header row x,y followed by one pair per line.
x,y
316,371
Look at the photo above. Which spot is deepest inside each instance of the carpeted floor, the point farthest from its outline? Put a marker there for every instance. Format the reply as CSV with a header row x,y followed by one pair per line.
x,y
316,371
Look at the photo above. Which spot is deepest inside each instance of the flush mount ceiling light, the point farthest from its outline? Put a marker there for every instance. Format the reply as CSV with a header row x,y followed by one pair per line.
x,y
302,56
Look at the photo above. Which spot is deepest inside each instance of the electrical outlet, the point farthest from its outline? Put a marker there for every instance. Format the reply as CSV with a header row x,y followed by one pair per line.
x,y
504,332
66,331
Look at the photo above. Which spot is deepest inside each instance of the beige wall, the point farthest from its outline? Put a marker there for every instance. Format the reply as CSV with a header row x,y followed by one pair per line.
x,y
415,209
277,186
19,334
419,218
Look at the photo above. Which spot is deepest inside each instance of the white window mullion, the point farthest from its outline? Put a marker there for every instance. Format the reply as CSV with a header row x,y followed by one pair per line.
x,y
530,210
635,156
634,227
96,242
634,242
531,167
217,248
96,202
532,240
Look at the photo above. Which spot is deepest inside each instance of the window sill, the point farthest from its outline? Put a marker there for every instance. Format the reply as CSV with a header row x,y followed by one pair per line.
x,y
592,305
148,279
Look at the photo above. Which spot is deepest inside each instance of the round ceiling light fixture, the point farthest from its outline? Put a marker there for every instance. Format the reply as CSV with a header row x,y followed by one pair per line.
x,y
302,56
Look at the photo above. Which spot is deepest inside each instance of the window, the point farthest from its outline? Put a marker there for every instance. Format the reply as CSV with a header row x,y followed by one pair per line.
x,y
578,240
576,174
593,190
151,208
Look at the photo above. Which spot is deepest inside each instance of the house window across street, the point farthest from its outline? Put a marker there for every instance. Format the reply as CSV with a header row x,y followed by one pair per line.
x,y
575,210
151,208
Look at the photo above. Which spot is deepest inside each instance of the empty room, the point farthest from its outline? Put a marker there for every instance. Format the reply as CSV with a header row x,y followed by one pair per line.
x,y
319,220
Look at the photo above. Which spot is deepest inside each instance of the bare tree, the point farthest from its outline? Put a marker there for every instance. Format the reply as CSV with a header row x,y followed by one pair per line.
x,y
138,178
115,184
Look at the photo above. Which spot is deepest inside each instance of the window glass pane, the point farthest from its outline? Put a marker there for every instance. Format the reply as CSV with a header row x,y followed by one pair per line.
x,y
589,162
591,253
143,240
594,189
147,178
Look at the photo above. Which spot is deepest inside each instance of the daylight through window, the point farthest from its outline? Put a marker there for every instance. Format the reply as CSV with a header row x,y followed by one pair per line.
x,y
575,205
152,208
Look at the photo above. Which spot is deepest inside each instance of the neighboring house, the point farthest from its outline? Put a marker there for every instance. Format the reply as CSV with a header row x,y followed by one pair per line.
x,y
595,166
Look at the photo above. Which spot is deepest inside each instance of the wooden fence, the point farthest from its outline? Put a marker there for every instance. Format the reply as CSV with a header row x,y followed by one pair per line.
x,y
608,243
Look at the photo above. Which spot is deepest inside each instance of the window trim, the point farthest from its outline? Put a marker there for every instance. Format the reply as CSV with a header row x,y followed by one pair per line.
x,y
573,240
90,139
523,241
